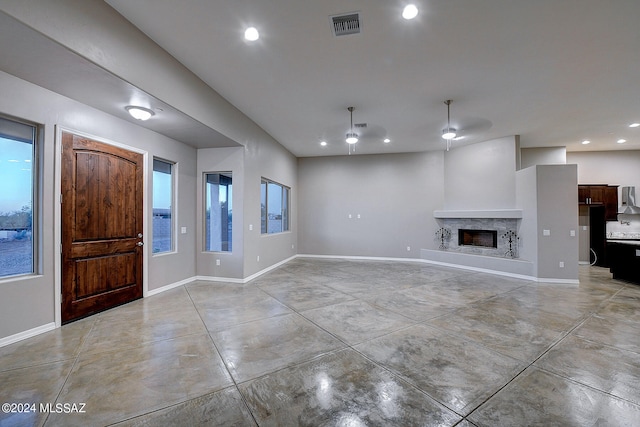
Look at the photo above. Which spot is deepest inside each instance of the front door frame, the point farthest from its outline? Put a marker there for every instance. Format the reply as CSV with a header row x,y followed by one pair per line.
x,y
57,238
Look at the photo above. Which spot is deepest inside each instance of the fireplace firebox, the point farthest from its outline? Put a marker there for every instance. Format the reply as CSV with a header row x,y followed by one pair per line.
x,y
481,238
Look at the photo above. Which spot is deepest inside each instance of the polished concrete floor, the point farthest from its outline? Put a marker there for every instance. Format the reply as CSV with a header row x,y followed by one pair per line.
x,y
344,343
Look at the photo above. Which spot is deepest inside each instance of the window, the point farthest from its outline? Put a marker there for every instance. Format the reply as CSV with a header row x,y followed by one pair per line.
x,y
18,174
218,211
274,207
162,206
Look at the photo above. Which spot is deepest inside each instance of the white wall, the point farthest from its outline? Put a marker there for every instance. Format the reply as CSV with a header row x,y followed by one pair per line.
x,y
527,200
231,263
543,156
548,195
607,167
558,213
28,303
248,165
481,176
266,159
395,196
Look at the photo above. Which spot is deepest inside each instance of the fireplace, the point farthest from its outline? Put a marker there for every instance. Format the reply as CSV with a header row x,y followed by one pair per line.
x,y
487,236
480,238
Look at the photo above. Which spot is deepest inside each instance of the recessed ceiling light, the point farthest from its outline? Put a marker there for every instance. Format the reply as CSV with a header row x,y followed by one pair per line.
x,y
410,11
634,125
386,140
139,113
585,142
621,141
323,143
251,34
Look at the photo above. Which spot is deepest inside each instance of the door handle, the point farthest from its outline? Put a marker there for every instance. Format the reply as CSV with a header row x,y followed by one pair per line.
x,y
140,243
140,235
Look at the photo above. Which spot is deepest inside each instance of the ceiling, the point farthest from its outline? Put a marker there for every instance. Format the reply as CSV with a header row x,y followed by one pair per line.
x,y
555,72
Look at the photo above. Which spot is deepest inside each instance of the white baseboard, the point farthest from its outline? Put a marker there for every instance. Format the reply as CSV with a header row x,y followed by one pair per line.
x,y
356,257
446,264
425,261
169,286
566,281
27,334
480,270
248,278
219,279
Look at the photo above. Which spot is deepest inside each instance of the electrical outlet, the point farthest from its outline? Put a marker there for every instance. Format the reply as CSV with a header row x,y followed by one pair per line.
x,y
183,230
217,262
250,227
572,233
561,264
258,258
358,216
546,232
408,248
350,216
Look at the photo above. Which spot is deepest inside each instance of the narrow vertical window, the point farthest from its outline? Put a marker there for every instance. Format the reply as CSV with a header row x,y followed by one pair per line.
x,y
218,212
162,206
18,172
274,204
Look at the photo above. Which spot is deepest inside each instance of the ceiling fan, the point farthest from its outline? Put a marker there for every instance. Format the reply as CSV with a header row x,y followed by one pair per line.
x,y
465,128
354,134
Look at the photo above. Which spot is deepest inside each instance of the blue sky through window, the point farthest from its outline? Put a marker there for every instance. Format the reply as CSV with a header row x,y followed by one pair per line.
x,y
16,165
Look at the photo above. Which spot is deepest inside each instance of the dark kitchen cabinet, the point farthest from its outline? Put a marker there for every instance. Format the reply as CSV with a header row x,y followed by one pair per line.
x,y
611,203
624,261
601,194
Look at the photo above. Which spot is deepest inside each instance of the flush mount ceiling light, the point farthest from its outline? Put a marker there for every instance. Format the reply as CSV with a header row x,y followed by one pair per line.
x,y
386,140
251,34
352,137
448,133
621,141
323,143
410,11
634,125
139,113
585,142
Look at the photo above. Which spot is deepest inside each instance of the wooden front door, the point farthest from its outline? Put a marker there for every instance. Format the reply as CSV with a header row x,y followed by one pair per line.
x,y
101,226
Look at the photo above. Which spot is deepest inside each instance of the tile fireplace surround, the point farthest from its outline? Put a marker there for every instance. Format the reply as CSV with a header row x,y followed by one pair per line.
x,y
501,225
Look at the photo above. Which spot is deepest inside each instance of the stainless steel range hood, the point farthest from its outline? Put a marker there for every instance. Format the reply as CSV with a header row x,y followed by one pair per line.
x,y
628,200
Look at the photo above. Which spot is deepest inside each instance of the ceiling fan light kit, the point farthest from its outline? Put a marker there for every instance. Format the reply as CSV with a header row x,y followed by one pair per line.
x,y
351,137
448,133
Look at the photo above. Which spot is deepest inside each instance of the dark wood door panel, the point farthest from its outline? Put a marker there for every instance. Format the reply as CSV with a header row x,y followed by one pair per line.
x,y
96,248
105,197
104,274
102,200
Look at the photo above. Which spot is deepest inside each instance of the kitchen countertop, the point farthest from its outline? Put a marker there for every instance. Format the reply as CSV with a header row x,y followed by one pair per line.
x,y
624,241
622,235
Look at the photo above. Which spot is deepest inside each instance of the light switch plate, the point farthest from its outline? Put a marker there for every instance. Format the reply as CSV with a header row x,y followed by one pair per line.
x,y
183,230
546,232
572,233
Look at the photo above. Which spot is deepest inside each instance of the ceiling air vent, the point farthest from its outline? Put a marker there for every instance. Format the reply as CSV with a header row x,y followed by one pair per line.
x,y
343,25
359,125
